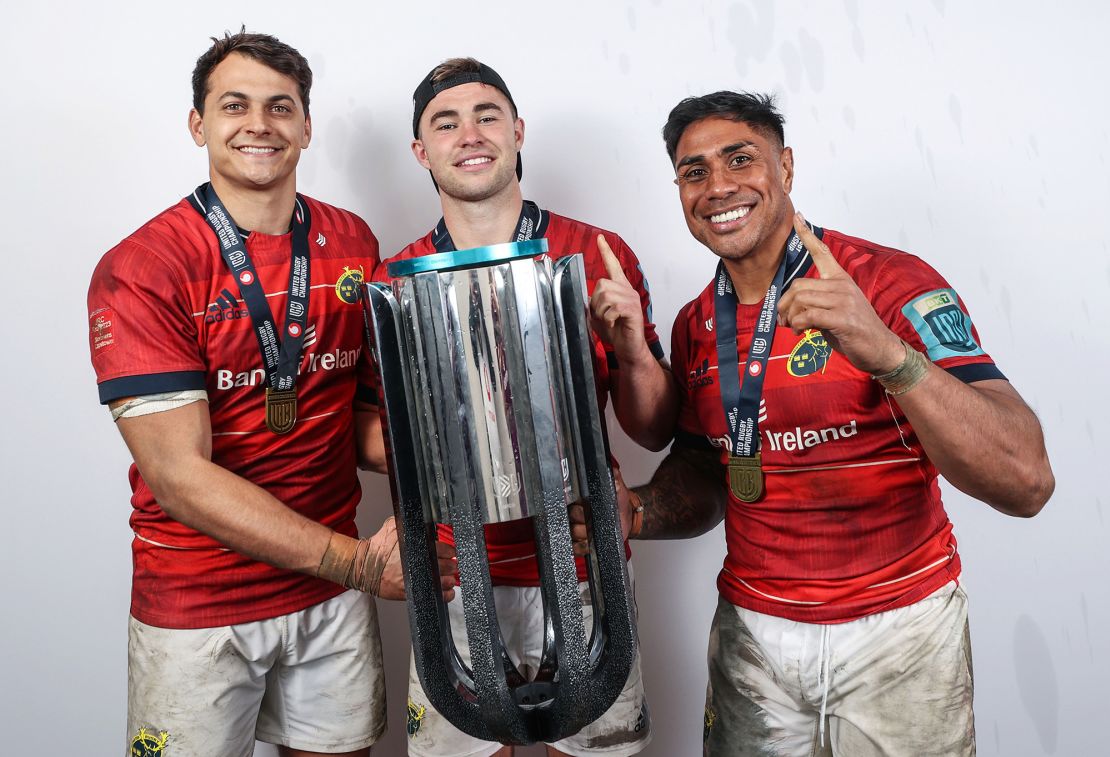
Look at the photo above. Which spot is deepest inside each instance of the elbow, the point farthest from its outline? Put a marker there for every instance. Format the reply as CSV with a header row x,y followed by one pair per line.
x,y
171,488
653,441
374,467
1037,495
653,434
1031,493
373,463
372,457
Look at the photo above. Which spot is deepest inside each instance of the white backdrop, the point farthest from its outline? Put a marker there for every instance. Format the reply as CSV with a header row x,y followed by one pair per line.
x,y
973,134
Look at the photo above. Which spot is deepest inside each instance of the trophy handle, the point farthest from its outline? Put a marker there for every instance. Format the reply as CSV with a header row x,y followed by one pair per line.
x,y
612,643
480,703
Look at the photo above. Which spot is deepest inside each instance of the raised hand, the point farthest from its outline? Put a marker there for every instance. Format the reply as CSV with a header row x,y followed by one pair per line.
x,y
833,304
617,314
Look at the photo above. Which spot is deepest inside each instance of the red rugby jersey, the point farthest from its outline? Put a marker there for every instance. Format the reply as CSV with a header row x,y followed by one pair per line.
x,y
851,522
511,545
164,315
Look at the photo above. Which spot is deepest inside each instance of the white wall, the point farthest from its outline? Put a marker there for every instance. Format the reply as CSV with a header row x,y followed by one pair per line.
x,y
973,134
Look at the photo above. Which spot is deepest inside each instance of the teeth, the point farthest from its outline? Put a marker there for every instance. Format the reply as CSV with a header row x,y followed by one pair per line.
x,y
257,150
732,215
475,161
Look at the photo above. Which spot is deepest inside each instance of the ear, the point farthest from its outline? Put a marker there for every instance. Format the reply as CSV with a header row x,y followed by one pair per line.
x,y
420,153
518,133
307,136
786,165
196,127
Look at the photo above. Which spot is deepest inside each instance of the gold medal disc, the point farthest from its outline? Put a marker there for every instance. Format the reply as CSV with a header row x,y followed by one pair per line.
x,y
281,410
745,477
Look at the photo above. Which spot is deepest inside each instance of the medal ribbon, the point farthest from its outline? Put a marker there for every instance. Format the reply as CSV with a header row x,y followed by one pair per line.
x,y
280,357
531,224
741,403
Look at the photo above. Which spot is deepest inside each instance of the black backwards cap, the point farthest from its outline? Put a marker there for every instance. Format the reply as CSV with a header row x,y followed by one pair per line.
x,y
427,90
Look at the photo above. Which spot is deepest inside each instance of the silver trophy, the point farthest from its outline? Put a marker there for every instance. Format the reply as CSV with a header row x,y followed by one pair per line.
x,y
490,414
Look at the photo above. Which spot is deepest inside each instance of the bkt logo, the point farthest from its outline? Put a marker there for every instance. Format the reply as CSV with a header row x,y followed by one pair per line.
x,y
225,308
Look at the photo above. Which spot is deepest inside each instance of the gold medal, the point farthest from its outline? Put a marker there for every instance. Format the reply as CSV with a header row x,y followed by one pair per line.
x,y
745,477
281,410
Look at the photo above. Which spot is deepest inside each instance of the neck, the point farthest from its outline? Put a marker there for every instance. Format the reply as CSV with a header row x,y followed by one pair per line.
x,y
752,274
482,223
266,211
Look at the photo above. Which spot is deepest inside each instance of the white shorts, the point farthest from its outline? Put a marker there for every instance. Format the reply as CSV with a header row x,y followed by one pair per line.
x,y
892,683
309,680
624,729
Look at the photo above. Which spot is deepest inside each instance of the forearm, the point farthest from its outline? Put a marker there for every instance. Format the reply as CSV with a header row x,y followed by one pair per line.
x,y
369,440
685,498
240,515
173,452
645,401
983,438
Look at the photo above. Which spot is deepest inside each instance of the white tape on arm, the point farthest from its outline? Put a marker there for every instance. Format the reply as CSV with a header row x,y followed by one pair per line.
x,y
157,403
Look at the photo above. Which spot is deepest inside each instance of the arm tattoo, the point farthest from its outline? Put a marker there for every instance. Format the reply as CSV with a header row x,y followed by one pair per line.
x,y
686,497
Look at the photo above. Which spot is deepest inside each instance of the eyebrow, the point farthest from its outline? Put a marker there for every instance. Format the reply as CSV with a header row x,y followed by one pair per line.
x,y
726,150
479,108
243,96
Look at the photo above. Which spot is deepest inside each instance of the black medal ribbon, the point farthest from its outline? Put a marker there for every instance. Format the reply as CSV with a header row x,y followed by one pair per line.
x,y
280,356
740,402
532,224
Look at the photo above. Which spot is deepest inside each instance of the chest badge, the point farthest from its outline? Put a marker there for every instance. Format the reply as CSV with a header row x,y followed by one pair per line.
x,y
347,287
810,355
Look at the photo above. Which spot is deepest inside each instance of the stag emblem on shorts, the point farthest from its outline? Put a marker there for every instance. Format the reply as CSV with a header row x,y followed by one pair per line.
x,y
147,744
416,717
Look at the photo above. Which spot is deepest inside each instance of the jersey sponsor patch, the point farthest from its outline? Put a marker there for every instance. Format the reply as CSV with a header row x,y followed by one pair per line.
x,y
943,326
149,743
101,334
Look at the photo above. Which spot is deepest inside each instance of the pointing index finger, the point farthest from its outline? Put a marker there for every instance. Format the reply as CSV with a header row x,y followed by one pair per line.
x,y
818,250
612,265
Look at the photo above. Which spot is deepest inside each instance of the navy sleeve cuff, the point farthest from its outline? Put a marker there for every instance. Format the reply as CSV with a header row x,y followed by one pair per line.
x,y
690,441
151,383
973,372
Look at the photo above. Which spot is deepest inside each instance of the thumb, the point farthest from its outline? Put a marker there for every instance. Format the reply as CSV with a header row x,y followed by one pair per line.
x,y
818,250
612,265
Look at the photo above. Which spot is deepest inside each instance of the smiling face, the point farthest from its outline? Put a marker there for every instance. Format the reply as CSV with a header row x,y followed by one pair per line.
x,y
469,140
734,183
254,126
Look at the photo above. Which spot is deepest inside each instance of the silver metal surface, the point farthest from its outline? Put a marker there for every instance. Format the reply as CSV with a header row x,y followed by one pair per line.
x,y
480,341
490,414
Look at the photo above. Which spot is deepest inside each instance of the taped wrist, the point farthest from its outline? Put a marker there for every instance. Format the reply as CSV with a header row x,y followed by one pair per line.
x,y
357,563
907,375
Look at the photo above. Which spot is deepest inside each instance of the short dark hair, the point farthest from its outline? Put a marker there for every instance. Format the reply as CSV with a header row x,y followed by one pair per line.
x,y
755,109
265,49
